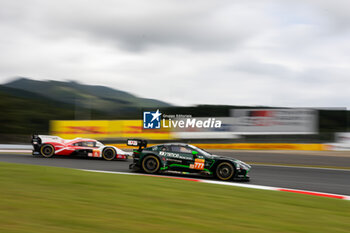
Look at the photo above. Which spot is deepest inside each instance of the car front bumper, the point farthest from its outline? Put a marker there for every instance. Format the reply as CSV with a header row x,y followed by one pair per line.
x,y
242,174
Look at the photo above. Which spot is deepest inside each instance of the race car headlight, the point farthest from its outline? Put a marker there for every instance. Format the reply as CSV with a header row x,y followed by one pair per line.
x,y
246,166
238,165
242,165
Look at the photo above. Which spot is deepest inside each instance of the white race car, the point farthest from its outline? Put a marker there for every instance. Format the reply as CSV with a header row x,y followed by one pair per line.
x,y
49,146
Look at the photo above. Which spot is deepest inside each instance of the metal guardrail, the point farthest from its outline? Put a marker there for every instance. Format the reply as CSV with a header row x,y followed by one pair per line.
x,y
16,147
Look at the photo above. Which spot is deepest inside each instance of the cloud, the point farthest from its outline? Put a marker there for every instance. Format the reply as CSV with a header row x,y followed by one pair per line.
x,y
265,52
137,25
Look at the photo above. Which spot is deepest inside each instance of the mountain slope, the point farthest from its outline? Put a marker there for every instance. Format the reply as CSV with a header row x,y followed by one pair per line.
x,y
23,112
88,96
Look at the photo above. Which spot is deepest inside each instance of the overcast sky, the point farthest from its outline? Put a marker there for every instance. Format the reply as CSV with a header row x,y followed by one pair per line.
x,y
254,52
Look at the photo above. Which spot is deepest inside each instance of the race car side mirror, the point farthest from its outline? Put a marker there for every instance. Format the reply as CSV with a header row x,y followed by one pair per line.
x,y
194,153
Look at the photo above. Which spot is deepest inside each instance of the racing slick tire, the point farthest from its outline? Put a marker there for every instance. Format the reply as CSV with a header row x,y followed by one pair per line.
x,y
47,150
108,153
225,171
151,164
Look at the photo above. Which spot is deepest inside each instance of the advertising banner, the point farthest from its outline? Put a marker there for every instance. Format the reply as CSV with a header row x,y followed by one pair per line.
x,y
113,129
274,121
195,132
85,129
342,142
184,126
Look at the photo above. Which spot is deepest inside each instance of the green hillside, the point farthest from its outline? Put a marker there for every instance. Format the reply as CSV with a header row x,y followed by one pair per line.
x,y
25,112
28,105
99,98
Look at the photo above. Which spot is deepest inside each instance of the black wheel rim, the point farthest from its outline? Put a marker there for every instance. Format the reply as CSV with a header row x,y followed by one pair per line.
x,y
47,150
109,154
151,164
225,171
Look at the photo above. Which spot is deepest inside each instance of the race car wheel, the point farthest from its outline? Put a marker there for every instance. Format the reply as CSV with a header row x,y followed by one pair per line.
x,y
225,171
151,164
47,150
108,153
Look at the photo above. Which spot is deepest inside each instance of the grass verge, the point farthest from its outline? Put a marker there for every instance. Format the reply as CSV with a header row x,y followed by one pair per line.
x,y
47,199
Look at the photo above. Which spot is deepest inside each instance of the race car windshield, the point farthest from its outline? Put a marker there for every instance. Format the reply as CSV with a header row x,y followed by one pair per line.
x,y
99,144
203,152
89,144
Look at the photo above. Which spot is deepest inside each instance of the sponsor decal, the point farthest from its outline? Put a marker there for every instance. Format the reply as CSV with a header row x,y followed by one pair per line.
x,y
95,153
132,142
173,160
198,164
173,155
199,160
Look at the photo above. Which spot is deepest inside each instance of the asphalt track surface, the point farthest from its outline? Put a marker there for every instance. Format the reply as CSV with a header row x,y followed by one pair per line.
x,y
335,181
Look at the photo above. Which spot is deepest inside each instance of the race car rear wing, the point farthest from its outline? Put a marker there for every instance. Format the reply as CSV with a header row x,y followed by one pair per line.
x,y
46,138
137,142
36,142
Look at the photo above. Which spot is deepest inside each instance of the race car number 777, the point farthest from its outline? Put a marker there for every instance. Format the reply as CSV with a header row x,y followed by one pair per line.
x,y
198,164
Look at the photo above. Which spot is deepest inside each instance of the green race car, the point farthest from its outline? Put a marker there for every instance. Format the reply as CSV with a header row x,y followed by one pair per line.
x,y
185,158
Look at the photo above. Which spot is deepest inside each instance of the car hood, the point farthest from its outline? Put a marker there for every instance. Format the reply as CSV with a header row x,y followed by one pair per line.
x,y
243,164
